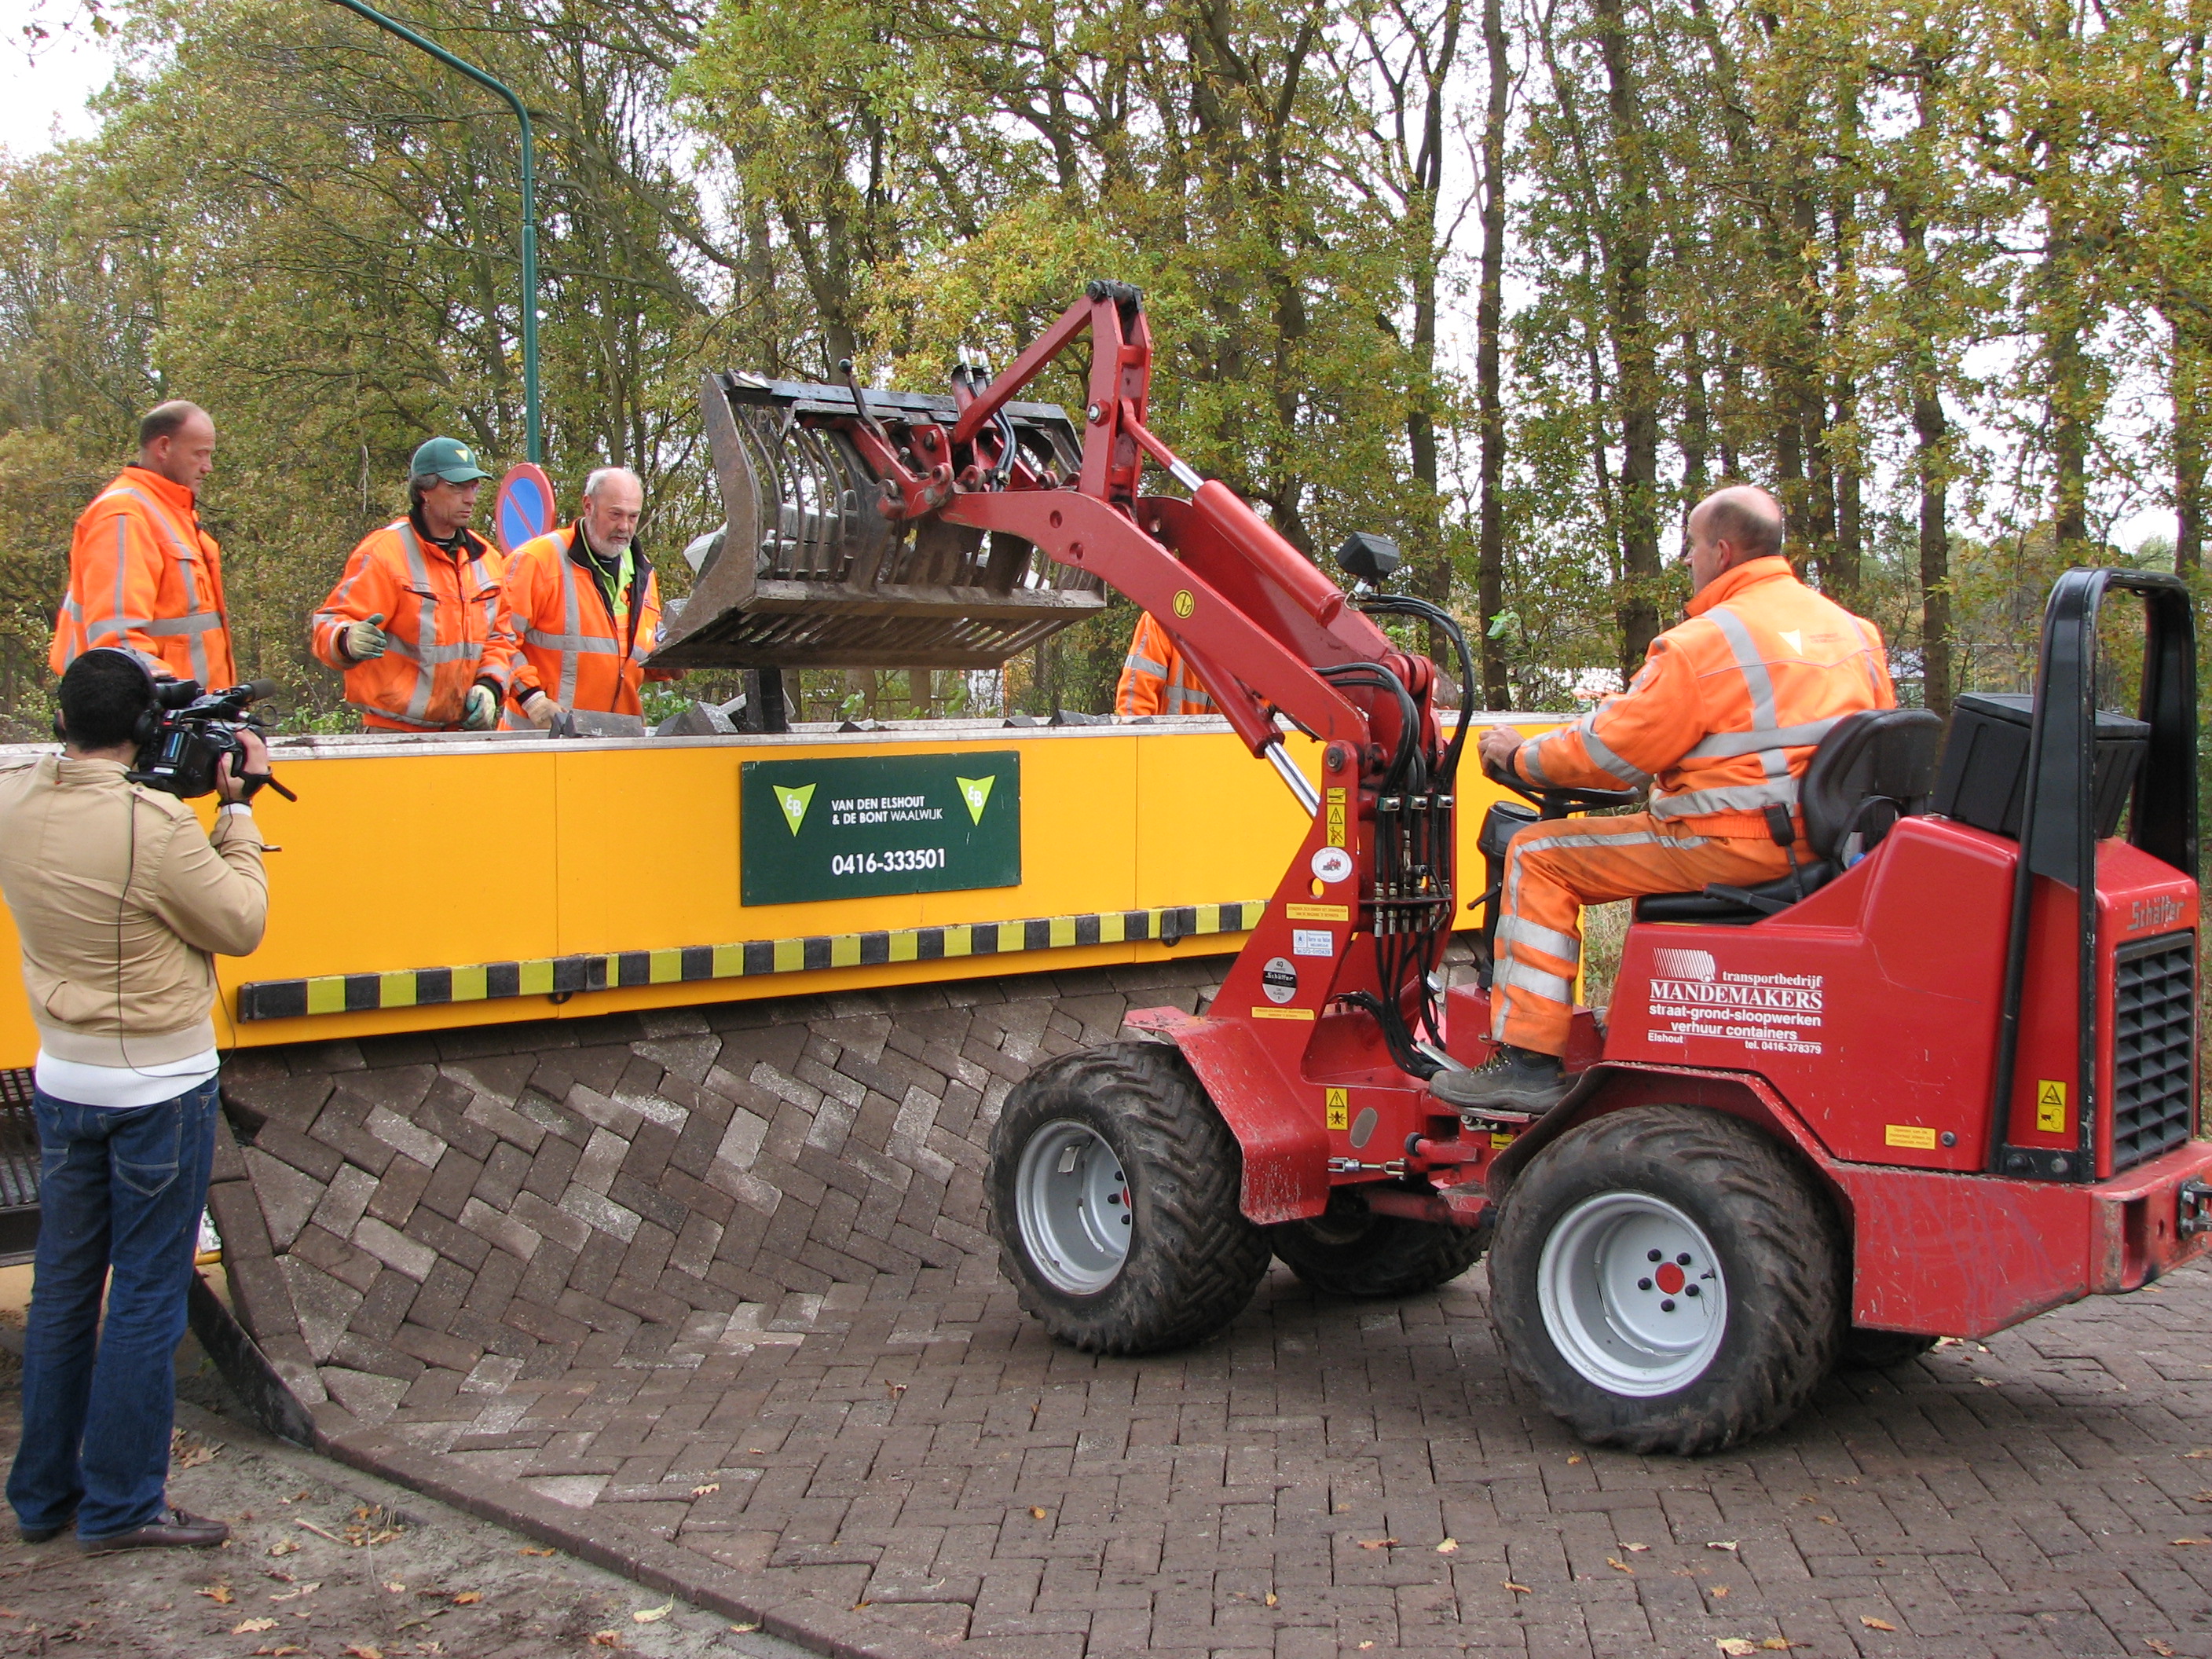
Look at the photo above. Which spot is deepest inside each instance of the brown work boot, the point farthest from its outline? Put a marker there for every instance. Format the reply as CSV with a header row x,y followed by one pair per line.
x,y
173,1529
1518,1081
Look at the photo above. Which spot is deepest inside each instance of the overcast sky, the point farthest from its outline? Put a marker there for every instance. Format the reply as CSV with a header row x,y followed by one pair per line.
x,y
45,95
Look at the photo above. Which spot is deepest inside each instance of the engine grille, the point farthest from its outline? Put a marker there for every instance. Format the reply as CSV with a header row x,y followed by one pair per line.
x,y
2154,1060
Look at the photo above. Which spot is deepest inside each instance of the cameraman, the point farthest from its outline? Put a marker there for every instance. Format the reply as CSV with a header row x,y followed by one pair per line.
x,y
121,902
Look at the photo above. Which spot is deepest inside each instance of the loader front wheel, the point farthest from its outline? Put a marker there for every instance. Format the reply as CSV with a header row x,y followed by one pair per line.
x,y
1349,1250
1114,1191
1667,1279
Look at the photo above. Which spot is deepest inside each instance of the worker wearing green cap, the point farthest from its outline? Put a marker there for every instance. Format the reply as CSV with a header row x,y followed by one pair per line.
x,y
419,624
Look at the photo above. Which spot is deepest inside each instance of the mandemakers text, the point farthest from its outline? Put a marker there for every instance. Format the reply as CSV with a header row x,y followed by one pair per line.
x,y
1772,1012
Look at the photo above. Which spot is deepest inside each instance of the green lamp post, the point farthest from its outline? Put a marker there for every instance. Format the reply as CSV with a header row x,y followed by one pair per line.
x,y
528,202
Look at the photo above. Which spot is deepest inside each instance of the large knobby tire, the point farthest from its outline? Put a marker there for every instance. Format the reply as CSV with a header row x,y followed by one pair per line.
x,y
1113,1194
1864,1350
1349,1250
1668,1278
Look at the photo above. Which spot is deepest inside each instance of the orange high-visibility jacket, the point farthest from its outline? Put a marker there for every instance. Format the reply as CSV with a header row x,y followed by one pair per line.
x,y
1155,679
444,616
1722,718
144,575
571,648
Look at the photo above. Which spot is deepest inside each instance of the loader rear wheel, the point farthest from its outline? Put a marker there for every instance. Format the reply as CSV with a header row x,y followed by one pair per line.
x,y
1350,1250
1667,1279
1114,1192
1878,1351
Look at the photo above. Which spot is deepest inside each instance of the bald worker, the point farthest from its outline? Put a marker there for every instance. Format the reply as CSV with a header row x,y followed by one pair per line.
x,y
142,573
1721,722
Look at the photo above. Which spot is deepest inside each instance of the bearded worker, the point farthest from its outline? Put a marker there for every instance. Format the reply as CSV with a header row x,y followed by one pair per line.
x,y
1722,721
587,607
418,623
142,575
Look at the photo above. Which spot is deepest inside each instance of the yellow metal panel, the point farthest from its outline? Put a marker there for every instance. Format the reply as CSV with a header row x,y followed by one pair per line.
x,y
1213,823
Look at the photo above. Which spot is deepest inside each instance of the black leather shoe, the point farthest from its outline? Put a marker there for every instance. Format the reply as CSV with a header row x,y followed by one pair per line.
x,y
175,1530
46,1534
1518,1081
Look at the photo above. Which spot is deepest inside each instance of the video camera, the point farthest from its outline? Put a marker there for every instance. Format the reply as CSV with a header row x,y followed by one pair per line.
x,y
197,729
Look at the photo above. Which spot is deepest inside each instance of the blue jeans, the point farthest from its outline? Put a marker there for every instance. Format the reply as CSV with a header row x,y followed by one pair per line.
x,y
119,1191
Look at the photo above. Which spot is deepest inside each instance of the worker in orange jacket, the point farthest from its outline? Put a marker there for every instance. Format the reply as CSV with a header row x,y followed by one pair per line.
x,y
1722,721
587,607
142,573
1155,679
418,622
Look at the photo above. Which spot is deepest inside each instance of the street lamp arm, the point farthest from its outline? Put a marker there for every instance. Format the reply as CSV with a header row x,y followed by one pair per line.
x,y
529,201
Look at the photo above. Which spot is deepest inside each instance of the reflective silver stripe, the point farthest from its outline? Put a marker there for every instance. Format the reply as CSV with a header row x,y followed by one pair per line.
x,y
1520,976
1531,767
585,642
1750,664
426,619
1519,930
1145,665
1604,759
1724,744
572,619
122,564
188,554
1735,798
202,623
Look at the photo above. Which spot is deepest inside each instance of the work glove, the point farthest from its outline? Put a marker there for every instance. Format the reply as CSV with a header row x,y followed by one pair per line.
x,y
542,709
365,640
480,713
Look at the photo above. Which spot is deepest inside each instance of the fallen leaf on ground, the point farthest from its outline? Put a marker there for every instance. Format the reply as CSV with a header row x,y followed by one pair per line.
x,y
468,1598
320,1532
1728,1544
363,1651
1735,1646
527,1550
1639,1548
1987,1381
1619,1566
1720,1592
1826,1520
2202,1498
396,1587
2202,1452
896,1387
1778,1644
253,1626
1872,1622
1449,1547
711,1486
1364,1646
1272,1598
745,1630
1518,1589
1037,1513
281,1652
284,1546
221,1594
2157,1646
653,1615
1377,1543
606,1638
189,1452
1577,1458
296,1591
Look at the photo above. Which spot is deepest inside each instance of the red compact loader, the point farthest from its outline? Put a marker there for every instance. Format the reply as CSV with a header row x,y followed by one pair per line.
x,y
1933,1084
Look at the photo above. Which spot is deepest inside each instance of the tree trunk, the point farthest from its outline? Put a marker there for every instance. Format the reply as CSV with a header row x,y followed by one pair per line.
x,y
1489,324
1634,351
2188,452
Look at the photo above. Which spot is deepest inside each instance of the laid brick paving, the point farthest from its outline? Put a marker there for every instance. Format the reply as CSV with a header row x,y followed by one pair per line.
x,y
896,1437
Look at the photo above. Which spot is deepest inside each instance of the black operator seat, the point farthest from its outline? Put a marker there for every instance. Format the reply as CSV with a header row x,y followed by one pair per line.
x,y
1873,768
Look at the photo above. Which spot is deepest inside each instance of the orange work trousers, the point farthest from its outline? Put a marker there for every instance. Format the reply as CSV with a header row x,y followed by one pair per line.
x,y
1553,869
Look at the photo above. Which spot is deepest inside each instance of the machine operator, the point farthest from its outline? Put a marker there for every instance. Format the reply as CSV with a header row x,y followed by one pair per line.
x,y
1721,722
584,600
419,621
142,575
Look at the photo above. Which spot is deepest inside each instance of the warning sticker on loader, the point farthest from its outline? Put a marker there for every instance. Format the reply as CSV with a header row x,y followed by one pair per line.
x,y
1692,995
1340,1108
859,828
2051,1107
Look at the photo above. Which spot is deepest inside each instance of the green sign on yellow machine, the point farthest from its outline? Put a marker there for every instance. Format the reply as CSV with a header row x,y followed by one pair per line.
x,y
862,828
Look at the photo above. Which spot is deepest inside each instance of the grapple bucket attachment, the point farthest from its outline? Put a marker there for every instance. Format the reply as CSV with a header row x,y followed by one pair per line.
x,y
809,573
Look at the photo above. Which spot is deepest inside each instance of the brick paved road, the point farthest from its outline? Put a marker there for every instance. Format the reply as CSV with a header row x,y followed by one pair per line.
x,y
895,1445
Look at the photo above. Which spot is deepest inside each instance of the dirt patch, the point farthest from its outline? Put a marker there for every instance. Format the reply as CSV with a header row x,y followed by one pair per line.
x,y
327,1563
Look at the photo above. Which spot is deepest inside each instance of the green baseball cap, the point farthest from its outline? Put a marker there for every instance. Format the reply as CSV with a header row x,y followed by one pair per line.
x,y
449,459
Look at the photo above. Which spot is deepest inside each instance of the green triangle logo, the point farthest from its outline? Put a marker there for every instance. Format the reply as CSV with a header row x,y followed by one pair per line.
x,y
975,792
793,802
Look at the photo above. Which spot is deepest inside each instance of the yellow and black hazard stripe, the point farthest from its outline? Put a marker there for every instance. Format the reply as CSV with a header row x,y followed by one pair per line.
x,y
564,976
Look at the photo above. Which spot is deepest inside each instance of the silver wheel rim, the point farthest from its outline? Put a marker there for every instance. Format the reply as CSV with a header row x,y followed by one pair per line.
x,y
1633,1294
1072,1199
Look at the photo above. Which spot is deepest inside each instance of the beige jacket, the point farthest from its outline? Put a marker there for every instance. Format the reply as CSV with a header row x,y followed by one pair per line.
x,y
122,901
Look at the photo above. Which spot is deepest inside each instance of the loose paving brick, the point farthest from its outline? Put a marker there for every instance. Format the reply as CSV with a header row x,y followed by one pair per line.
x,y
711,1286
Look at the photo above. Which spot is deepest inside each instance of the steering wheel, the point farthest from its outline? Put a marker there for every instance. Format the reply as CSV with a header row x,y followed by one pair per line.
x,y
1558,802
